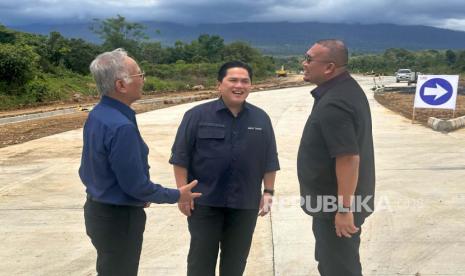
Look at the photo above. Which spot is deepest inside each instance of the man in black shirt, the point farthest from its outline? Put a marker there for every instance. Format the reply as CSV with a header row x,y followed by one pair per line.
x,y
228,145
335,161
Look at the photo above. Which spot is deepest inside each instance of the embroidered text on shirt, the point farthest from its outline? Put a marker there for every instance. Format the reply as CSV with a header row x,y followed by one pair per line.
x,y
255,128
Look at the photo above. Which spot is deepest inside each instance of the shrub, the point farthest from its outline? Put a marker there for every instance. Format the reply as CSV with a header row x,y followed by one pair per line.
x,y
37,90
17,65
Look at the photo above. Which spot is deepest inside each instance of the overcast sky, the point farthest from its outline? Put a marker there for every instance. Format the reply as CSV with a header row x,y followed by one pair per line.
x,y
448,14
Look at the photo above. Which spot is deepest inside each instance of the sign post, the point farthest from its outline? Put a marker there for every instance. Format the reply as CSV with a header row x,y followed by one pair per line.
x,y
436,91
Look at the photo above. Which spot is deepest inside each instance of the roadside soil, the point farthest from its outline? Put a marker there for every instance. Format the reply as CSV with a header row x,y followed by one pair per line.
x,y
20,132
402,103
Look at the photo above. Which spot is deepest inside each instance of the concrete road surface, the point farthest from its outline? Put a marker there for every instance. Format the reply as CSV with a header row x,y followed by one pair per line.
x,y
418,227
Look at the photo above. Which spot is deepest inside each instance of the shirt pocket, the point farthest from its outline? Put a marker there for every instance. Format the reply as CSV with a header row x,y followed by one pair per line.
x,y
255,142
211,140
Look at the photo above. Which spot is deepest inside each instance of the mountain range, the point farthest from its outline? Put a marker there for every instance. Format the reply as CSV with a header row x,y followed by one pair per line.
x,y
285,38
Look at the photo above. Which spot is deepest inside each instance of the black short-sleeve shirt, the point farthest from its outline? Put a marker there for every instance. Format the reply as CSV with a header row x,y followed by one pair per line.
x,y
228,155
339,124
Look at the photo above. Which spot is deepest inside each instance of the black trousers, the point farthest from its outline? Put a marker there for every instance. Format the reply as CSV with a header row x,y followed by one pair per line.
x,y
116,232
212,228
336,256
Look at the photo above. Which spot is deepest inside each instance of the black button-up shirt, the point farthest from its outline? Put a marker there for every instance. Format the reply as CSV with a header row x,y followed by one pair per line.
x,y
339,124
114,165
228,155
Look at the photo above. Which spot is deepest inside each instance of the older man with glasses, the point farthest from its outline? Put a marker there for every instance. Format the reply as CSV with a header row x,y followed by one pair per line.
x,y
114,168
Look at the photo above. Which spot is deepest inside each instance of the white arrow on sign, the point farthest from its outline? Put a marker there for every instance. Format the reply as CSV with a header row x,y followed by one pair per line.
x,y
437,91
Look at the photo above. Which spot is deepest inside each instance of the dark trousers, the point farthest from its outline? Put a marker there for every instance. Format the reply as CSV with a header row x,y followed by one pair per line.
x,y
212,228
116,232
336,256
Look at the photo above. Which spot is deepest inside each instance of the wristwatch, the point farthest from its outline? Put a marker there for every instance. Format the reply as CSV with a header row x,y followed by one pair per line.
x,y
269,191
343,210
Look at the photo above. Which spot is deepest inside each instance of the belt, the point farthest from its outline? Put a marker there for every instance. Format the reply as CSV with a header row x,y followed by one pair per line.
x,y
93,199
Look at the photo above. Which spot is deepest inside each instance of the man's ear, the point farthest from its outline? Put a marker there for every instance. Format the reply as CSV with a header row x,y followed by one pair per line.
x,y
330,68
120,86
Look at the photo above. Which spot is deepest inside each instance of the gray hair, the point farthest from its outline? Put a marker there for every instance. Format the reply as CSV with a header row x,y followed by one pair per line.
x,y
108,67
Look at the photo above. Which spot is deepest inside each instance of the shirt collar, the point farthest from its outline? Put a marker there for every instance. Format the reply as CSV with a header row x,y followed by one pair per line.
x,y
123,108
219,105
321,89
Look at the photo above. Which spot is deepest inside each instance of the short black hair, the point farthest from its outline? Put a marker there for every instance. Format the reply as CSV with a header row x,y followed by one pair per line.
x,y
233,64
338,51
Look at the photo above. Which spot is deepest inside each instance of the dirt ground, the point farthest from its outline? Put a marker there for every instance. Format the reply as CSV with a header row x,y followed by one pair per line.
x,y
402,103
17,133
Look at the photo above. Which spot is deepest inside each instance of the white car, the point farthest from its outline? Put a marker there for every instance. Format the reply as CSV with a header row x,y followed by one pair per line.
x,y
405,75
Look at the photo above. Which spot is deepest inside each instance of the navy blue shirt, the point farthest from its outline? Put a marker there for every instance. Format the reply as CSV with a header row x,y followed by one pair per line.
x,y
228,155
114,166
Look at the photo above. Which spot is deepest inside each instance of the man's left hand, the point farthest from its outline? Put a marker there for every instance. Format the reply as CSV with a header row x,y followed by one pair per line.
x,y
345,226
265,204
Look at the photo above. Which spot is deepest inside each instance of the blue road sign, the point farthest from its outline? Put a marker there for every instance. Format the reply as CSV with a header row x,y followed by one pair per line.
x,y
436,91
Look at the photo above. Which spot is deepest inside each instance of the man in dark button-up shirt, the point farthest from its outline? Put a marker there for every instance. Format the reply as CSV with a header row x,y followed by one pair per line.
x,y
228,145
335,162
115,170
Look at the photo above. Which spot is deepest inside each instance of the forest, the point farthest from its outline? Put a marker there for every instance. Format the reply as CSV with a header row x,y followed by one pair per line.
x,y
45,68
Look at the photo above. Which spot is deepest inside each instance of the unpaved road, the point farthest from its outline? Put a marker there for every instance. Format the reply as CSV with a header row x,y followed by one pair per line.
x,y
20,132
402,103
417,228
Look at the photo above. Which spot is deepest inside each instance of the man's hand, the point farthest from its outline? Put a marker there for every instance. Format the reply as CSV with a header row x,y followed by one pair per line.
x,y
186,208
265,204
345,226
186,199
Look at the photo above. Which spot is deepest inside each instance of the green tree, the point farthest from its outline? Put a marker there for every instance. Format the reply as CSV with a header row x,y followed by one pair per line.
x,y
451,57
211,47
177,52
80,55
399,58
240,51
290,63
56,48
263,67
460,62
190,53
153,52
119,33
17,66
6,35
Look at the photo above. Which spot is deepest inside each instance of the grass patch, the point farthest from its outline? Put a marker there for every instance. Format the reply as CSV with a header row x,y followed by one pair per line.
x,y
46,88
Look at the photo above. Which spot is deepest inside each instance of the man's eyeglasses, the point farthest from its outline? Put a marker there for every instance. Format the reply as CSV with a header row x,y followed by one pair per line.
x,y
308,58
141,74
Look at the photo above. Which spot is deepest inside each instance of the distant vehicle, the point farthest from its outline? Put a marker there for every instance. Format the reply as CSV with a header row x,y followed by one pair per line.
x,y
406,75
281,72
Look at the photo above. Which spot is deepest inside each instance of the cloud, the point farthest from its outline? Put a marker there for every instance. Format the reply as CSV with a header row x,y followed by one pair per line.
x,y
449,15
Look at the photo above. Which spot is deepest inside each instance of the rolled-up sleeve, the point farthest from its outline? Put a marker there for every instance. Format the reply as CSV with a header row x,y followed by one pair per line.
x,y
184,142
131,170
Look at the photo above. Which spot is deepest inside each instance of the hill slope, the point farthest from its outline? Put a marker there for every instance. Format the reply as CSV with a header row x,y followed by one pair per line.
x,y
285,38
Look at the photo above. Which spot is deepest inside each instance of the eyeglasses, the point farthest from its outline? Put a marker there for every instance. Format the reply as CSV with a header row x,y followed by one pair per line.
x,y
141,74
308,58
